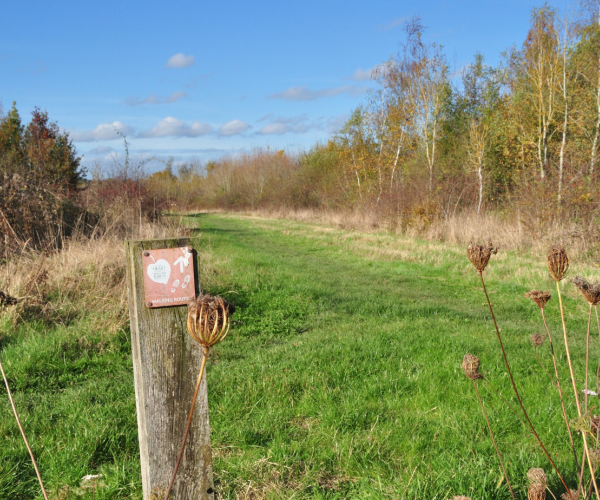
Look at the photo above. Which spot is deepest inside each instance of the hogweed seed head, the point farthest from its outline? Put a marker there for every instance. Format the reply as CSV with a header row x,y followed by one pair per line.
x,y
537,475
536,491
557,262
574,495
470,366
591,291
538,339
595,456
479,255
208,320
539,297
582,423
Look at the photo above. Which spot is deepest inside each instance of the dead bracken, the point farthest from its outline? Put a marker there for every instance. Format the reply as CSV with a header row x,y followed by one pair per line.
x,y
591,291
470,366
479,255
557,262
539,297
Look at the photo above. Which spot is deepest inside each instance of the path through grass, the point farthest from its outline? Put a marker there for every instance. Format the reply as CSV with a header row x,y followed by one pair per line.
x,y
340,378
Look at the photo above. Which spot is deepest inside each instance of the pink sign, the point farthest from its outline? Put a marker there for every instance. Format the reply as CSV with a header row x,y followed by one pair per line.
x,y
168,277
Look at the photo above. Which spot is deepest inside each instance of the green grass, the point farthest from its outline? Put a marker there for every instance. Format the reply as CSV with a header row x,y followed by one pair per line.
x,y
340,378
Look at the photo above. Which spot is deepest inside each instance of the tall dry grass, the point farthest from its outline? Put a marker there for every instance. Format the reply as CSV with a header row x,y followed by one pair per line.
x,y
84,278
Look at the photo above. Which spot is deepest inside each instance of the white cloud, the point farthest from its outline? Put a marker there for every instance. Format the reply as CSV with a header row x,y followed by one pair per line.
x,y
155,99
280,125
176,128
275,129
100,150
388,26
180,61
335,123
303,93
103,132
361,75
234,127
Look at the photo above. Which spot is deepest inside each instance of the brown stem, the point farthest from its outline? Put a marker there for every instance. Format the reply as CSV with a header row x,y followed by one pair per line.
x,y
598,377
189,422
587,360
512,381
493,440
505,402
560,393
14,408
541,364
587,453
562,315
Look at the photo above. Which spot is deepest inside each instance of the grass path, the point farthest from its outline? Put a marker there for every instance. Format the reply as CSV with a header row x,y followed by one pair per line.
x,y
340,378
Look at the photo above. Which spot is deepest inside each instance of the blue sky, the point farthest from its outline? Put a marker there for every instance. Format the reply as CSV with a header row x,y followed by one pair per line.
x,y
202,79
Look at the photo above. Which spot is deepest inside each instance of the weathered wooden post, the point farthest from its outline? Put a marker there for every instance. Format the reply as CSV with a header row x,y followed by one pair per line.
x,y
166,363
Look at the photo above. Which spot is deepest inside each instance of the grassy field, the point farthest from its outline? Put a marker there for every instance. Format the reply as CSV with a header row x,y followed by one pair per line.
x,y
340,378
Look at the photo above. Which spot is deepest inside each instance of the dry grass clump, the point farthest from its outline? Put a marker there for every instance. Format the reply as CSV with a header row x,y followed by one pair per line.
x,y
84,278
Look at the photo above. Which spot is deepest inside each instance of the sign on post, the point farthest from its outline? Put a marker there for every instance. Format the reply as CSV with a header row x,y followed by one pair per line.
x,y
168,277
166,362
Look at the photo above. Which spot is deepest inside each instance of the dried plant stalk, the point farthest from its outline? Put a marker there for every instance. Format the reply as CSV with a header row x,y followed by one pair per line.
x,y
510,376
14,409
470,366
208,324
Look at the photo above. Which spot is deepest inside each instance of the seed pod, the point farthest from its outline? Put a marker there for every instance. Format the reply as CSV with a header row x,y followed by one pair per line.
x,y
479,255
537,475
536,491
537,339
539,297
582,423
574,495
557,262
470,366
590,291
595,456
208,320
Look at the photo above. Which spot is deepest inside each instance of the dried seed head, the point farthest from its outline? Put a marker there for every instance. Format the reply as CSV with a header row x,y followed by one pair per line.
x,y
537,475
536,491
574,495
595,456
480,255
557,262
595,423
591,291
208,319
460,497
582,423
539,297
538,339
470,366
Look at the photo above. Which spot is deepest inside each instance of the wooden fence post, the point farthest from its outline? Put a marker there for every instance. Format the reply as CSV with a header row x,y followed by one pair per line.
x,y
166,362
